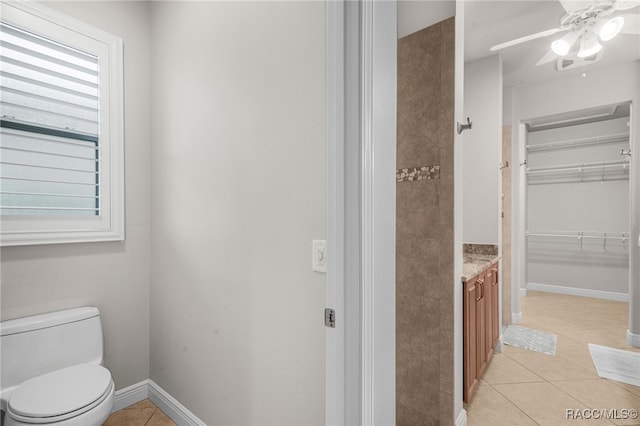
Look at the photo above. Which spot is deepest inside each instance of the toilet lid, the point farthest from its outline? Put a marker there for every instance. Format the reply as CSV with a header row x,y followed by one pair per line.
x,y
61,391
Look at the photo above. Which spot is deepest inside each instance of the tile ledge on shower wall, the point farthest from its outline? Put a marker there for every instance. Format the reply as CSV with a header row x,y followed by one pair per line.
x,y
412,174
485,249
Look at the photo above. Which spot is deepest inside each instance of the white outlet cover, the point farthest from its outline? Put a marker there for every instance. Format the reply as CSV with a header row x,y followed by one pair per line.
x,y
319,256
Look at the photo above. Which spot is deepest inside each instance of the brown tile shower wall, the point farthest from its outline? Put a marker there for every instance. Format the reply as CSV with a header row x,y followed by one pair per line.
x,y
424,233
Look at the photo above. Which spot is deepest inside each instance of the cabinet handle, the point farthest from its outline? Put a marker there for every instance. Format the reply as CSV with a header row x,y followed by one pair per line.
x,y
481,285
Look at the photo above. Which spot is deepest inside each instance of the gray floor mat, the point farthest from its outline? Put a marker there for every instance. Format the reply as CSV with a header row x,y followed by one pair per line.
x,y
533,340
616,364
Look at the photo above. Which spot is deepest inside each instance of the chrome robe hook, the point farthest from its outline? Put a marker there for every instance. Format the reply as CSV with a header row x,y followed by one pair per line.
x,y
463,127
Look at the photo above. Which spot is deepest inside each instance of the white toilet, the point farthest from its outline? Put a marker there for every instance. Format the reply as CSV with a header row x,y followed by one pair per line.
x,y
51,372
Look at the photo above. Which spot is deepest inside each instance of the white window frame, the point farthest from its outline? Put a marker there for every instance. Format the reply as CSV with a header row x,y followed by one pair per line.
x,y
109,225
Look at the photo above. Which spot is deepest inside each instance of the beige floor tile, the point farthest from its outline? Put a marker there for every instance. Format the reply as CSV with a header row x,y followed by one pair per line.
x,y
160,419
133,417
551,367
571,380
602,394
145,403
537,301
546,323
508,349
582,321
575,352
490,408
615,337
631,388
582,312
545,403
503,369
143,413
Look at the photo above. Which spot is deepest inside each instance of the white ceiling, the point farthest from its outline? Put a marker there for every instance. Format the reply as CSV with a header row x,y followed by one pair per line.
x,y
488,23
415,15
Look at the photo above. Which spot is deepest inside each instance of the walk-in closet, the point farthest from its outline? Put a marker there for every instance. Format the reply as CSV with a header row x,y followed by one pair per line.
x,y
577,204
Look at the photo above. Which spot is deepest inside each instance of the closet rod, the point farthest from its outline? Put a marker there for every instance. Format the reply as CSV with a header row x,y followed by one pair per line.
x,y
577,143
580,235
579,167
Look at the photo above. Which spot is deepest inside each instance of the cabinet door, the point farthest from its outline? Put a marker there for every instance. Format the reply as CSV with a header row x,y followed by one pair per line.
x,y
470,343
495,317
491,306
481,323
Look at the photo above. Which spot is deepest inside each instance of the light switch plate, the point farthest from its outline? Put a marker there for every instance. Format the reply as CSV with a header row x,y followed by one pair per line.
x,y
319,256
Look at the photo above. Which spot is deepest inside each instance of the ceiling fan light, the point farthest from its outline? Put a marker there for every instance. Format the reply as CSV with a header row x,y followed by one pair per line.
x,y
611,29
589,46
560,47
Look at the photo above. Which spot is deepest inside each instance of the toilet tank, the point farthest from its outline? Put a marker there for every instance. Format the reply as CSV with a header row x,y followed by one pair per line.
x,y
39,344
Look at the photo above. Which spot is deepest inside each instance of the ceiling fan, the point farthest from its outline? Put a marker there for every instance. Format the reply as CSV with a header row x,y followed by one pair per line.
x,y
585,24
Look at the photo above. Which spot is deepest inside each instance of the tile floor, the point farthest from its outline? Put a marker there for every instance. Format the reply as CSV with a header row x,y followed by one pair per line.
x,y
522,388
143,413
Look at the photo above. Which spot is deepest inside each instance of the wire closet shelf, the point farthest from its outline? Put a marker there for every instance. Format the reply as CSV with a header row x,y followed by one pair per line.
x,y
580,143
580,167
581,236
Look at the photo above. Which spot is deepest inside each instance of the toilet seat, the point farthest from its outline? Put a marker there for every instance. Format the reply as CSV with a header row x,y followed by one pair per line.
x,y
60,395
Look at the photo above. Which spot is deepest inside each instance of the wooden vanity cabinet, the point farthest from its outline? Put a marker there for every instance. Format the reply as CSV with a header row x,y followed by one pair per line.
x,y
492,284
472,291
481,327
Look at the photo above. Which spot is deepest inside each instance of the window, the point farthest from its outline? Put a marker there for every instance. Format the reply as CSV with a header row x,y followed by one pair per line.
x,y
61,136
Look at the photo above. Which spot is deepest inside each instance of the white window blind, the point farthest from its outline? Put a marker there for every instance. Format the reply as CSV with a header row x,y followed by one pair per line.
x,y
49,144
61,128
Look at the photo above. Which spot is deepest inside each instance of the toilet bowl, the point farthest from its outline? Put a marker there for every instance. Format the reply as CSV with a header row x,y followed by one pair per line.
x,y
52,372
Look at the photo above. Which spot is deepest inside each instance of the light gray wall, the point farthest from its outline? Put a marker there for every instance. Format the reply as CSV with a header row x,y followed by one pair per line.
x,y
112,276
414,15
568,204
482,150
238,159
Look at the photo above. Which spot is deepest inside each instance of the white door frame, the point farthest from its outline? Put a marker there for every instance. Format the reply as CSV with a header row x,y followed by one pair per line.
x,y
335,338
361,149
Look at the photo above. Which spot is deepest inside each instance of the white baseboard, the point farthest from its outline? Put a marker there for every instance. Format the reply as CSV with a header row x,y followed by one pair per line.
x,y
168,404
596,294
516,318
523,292
633,339
171,407
462,418
130,395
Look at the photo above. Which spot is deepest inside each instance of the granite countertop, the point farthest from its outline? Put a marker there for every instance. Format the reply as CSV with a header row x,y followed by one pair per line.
x,y
476,258
473,264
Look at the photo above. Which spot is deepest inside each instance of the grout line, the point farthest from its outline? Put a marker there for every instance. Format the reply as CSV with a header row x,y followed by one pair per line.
x,y
622,386
514,404
540,308
152,414
542,379
576,398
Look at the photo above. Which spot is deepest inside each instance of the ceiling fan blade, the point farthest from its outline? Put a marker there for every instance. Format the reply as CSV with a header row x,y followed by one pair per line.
x,y
526,38
572,5
549,57
626,4
631,24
